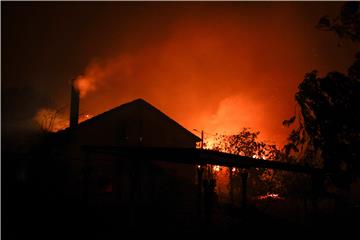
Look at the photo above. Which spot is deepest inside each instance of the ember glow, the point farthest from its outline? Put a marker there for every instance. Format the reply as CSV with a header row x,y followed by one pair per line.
x,y
257,157
270,196
216,168
210,142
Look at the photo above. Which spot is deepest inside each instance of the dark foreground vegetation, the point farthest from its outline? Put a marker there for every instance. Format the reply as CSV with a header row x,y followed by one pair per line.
x,y
30,215
37,206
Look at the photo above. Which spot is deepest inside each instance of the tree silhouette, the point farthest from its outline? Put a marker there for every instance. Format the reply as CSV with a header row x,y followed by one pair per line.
x,y
328,131
52,119
246,143
346,25
45,118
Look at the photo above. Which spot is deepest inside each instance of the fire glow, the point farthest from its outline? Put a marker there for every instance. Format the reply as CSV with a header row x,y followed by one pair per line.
x,y
51,120
224,68
268,196
216,168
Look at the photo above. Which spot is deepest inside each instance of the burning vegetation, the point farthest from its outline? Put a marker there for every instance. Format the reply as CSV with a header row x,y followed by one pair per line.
x,y
54,120
245,143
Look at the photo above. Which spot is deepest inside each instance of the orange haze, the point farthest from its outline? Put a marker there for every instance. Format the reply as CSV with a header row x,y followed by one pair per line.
x,y
212,66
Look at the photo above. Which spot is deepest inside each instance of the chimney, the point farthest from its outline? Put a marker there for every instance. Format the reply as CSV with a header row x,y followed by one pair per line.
x,y
74,105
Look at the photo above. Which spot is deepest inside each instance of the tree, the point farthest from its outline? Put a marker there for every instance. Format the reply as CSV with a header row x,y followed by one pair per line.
x,y
346,25
246,143
52,120
46,119
328,132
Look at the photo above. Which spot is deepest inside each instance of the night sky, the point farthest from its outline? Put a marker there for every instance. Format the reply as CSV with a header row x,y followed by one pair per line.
x,y
213,66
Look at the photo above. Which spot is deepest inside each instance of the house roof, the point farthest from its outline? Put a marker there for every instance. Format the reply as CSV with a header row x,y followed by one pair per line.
x,y
138,103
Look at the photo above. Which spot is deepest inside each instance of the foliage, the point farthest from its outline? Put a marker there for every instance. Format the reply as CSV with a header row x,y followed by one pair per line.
x,y
245,143
328,131
346,25
46,119
52,120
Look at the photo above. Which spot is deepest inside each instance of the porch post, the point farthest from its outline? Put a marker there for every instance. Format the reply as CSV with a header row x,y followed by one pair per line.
x,y
231,183
244,178
317,181
199,171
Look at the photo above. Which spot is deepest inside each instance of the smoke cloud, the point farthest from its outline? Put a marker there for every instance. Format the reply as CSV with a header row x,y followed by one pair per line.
x,y
218,74
99,72
216,67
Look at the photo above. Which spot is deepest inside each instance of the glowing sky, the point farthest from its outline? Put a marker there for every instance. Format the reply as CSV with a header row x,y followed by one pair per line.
x,y
213,66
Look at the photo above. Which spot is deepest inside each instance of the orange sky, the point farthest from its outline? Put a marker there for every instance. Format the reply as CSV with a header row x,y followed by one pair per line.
x,y
213,66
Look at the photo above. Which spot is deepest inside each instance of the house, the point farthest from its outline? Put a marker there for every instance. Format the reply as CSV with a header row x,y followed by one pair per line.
x,y
122,180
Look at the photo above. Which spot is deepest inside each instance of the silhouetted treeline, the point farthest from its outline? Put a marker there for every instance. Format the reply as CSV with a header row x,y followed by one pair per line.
x,y
328,132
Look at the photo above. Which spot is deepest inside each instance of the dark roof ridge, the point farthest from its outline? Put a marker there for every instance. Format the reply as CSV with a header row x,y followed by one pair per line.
x,y
166,116
136,101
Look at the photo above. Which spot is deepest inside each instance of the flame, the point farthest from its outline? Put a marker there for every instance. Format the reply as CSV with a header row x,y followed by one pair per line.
x,y
210,142
216,168
84,117
270,196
